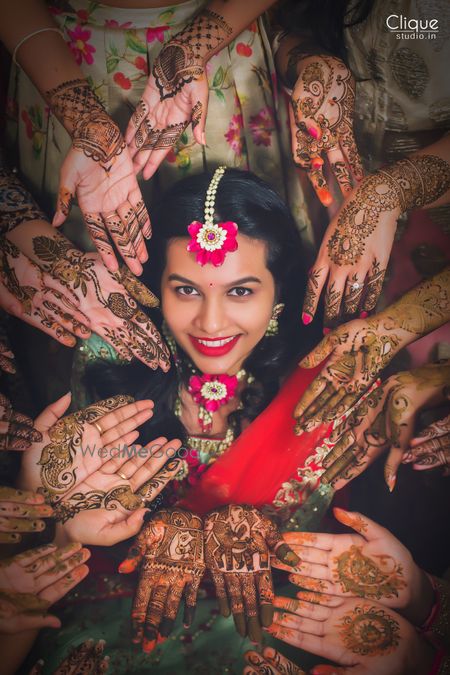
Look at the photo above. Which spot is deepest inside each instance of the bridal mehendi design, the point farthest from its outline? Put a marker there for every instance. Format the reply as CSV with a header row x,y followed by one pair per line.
x,y
369,630
153,487
409,183
16,204
58,474
68,507
16,429
135,334
374,285
182,60
196,115
90,127
375,576
353,293
238,541
170,551
85,659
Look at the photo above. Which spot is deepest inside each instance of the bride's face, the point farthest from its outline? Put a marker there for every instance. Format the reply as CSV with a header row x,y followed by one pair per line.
x,y
218,314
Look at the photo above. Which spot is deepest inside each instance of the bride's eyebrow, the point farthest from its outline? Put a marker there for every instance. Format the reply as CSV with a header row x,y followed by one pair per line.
x,y
238,282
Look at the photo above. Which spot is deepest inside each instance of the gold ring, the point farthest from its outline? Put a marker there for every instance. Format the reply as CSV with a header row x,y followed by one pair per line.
x,y
98,427
123,477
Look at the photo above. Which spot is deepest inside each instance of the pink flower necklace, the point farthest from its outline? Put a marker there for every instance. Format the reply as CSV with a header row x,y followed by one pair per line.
x,y
211,392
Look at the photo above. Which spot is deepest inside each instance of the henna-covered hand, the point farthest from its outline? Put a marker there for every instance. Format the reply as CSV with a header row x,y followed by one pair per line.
x,y
16,204
176,93
21,511
431,448
32,581
270,662
359,634
386,420
321,121
360,349
170,553
238,542
85,659
372,564
108,298
6,355
38,298
99,170
356,247
16,430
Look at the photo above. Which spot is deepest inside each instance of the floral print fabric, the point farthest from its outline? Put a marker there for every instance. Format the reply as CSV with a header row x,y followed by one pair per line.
x,y
115,49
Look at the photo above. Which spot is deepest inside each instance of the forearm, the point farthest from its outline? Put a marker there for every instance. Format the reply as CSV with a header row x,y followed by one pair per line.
x,y
420,311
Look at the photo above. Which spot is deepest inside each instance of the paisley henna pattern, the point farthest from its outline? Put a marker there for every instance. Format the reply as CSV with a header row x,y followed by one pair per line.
x,y
16,204
368,576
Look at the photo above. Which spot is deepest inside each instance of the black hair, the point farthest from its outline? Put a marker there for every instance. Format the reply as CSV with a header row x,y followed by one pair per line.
x,y
261,214
323,21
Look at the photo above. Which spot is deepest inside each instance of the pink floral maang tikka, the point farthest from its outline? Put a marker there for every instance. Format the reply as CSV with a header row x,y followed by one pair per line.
x,y
209,240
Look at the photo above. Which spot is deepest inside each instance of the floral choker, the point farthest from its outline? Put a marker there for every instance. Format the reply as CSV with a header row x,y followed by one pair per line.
x,y
211,241
211,392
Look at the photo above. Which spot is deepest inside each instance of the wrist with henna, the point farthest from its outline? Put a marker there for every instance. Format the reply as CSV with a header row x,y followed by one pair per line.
x,y
16,204
85,119
183,59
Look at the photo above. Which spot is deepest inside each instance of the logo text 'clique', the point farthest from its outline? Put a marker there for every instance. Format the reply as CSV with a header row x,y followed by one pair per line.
x,y
400,22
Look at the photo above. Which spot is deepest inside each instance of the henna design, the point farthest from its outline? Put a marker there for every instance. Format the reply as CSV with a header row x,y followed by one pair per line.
x,y
17,429
377,576
78,271
172,549
332,302
164,138
98,233
181,60
58,474
68,508
12,603
84,659
410,183
311,291
374,286
136,288
92,130
153,487
369,630
353,292
16,204
196,115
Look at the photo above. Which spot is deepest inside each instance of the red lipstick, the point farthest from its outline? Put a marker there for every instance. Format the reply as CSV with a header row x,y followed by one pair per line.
x,y
216,346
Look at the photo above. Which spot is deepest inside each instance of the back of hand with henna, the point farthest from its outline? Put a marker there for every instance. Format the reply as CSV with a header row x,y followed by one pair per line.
x,y
169,551
238,544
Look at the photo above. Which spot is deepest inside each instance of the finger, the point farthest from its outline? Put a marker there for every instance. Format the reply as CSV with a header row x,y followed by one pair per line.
x,y
302,623
124,447
68,563
152,488
311,584
298,607
346,440
124,419
191,592
320,598
440,458
340,171
66,194
318,354
132,227
374,285
319,407
21,525
318,540
146,343
139,114
316,280
8,494
333,299
62,311
52,413
48,323
221,593
248,593
162,146
282,664
119,233
28,622
318,181
265,592
353,293
366,527
259,665
99,235
236,602
32,555
432,446
350,150
23,511
144,223
6,362
198,117
401,423
145,473
172,604
311,554
61,587
314,390
137,290
154,614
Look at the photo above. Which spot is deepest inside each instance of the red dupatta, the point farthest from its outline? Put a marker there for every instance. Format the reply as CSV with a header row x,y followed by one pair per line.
x,y
266,454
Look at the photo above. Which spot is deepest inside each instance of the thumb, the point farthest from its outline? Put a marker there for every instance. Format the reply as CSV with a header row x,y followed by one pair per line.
x,y
66,193
402,430
199,111
323,669
29,622
133,559
319,353
52,413
125,529
366,527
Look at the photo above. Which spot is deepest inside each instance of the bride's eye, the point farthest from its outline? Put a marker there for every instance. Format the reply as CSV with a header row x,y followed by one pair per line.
x,y
186,290
240,291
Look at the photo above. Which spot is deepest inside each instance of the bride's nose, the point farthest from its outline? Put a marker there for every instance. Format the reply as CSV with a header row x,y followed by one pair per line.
x,y
211,318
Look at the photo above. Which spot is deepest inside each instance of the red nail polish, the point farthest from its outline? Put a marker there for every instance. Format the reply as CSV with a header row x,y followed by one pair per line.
x,y
325,196
326,330
312,131
364,315
316,163
306,318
